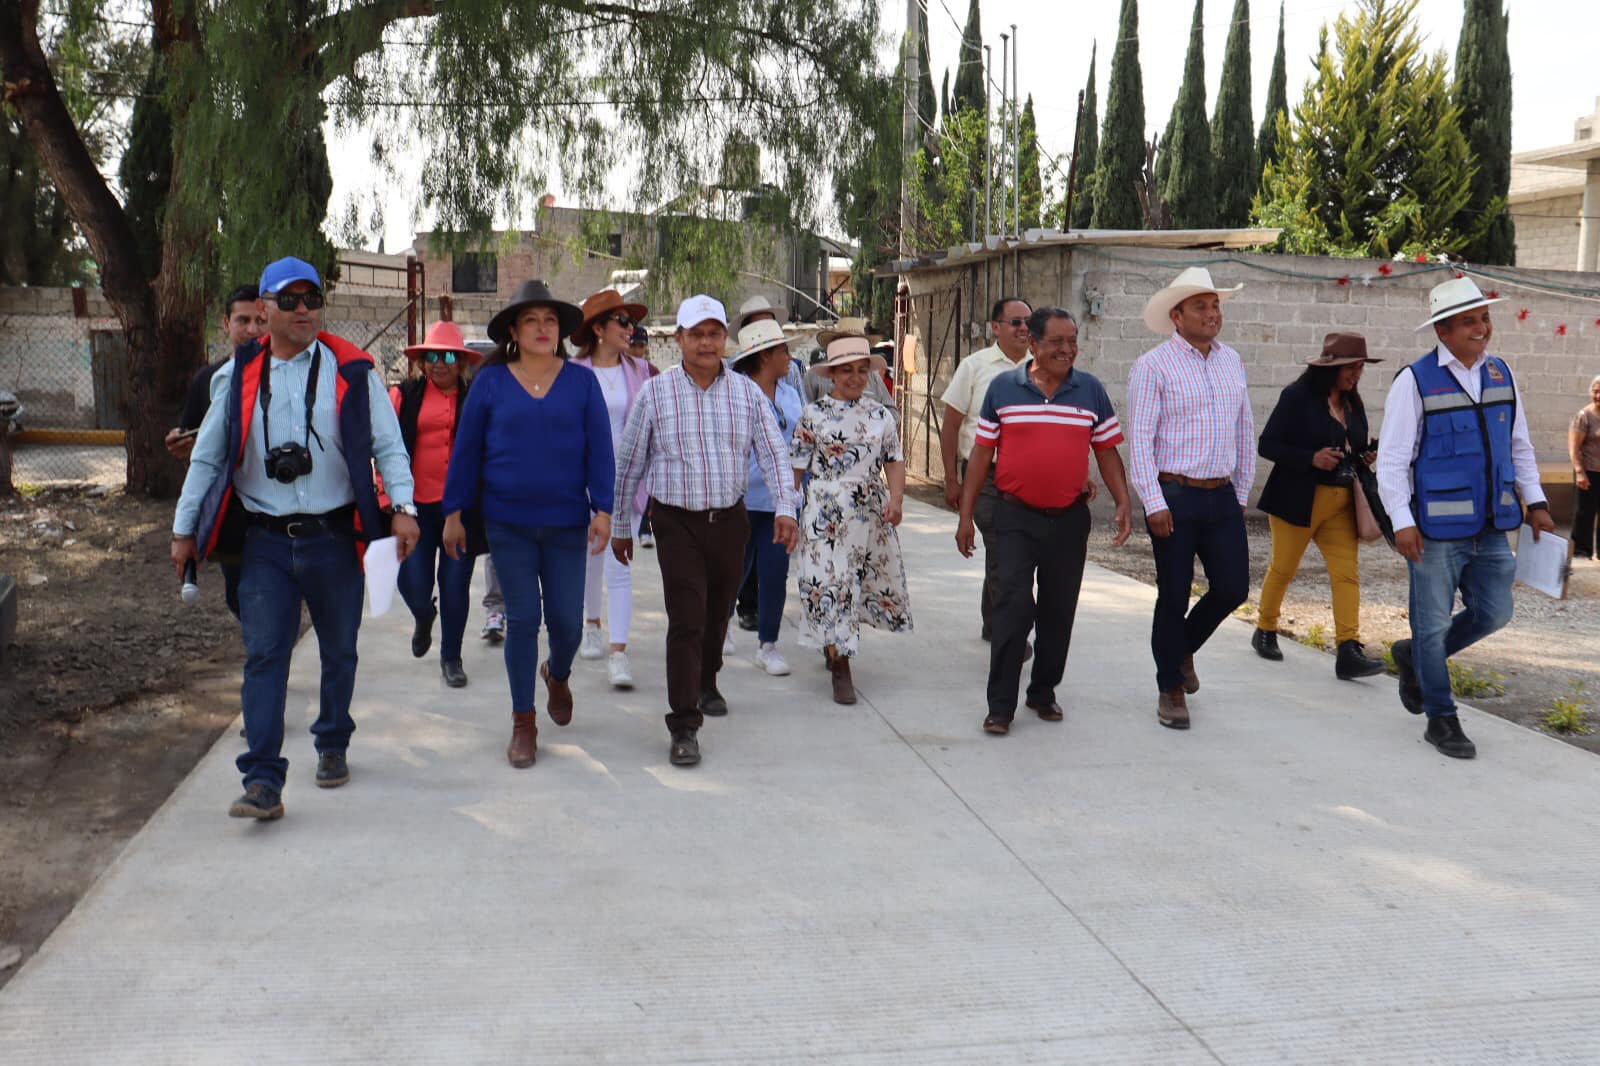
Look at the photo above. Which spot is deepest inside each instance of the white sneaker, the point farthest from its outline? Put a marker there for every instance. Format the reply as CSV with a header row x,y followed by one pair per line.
x,y
727,644
647,539
617,670
593,647
494,627
773,663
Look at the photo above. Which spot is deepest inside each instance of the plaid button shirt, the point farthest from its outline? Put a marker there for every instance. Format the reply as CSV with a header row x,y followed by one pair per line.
x,y
689,446
1189,414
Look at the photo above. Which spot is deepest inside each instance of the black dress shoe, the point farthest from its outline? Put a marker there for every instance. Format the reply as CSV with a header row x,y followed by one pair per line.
x,y
332,770
1353,661
1050,712
422,636
1445,734
748,621
1410,687
712,705
1265,642
685,750
454,675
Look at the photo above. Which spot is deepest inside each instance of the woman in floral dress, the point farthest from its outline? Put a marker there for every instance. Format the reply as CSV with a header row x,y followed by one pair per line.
x,y
849,557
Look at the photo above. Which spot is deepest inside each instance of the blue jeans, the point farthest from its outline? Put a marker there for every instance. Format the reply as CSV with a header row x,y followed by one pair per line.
x,y
541,570
1482,567
277,573
770,563
1208,523
454,575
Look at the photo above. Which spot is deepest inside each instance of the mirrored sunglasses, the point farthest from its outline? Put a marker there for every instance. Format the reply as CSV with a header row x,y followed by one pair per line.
x,y
447,358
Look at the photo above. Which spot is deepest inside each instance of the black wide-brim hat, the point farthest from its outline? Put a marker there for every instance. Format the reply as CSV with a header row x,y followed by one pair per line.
x,y
534,293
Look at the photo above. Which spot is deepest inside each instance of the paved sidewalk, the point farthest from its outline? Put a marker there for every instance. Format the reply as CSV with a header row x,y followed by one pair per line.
x,y
1298,879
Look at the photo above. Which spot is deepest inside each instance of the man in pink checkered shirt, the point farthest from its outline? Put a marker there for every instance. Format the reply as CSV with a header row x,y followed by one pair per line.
x,y
1192,452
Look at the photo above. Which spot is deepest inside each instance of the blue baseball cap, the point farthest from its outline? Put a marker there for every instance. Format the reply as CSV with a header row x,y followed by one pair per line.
x,y
286,272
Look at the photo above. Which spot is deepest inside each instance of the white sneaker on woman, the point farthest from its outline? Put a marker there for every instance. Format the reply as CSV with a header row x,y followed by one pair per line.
x,y
769,660
617,670
592,647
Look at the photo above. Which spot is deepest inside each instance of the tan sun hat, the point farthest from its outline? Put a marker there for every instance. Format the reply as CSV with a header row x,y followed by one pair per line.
x,y
845,348
758,305
1191,282
757,337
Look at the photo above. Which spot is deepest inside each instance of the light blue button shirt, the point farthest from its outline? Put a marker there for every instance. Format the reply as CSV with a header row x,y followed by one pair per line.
x,y
327,487
786,412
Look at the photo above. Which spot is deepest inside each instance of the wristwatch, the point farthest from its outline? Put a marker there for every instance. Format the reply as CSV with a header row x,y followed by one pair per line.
x,y
408,509
1542,505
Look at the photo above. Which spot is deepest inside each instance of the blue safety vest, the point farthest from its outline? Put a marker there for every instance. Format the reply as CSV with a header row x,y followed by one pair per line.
x,y
1463,477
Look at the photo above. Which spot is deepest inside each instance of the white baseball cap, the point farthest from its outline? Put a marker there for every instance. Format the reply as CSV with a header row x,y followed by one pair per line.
x,y
700,308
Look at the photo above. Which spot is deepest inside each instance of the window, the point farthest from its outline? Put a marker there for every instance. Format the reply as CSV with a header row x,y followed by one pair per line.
x,y
614,245
474,272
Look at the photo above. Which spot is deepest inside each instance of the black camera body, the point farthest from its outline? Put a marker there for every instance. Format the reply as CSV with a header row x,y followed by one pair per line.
x,y
287,462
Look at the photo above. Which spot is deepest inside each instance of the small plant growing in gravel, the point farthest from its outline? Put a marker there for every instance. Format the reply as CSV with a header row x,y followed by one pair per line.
x,y
1245,609
1470,684
1388,658
1569,714
1315,636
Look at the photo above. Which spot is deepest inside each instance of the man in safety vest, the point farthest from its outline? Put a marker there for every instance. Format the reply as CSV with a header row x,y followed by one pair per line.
x,y
1456,472
281,474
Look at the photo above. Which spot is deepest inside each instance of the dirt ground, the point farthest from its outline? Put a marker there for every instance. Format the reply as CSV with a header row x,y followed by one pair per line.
x,y
114,689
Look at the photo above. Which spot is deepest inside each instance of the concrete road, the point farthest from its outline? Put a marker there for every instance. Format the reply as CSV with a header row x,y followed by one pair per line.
x,y
1298,879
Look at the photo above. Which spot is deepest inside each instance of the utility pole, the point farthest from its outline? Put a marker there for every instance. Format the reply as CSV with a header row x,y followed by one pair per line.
x,y
908,123
1005,127
1016,136
988,143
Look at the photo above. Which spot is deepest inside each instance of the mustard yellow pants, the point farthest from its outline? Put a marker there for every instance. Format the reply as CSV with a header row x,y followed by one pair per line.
x,y
1333,527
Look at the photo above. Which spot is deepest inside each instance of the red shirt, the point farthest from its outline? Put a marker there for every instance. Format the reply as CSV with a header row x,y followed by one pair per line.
x,y
1042,443
436,431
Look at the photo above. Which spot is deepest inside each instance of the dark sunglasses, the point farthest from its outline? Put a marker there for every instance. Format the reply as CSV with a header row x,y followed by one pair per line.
x,y
622,320
448,358
288,301
1014,323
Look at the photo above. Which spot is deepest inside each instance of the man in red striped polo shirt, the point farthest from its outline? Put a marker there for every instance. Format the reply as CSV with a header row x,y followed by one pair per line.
x,y
1038,425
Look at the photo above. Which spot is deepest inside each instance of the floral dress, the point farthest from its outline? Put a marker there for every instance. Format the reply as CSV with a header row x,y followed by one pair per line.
x,y
849,558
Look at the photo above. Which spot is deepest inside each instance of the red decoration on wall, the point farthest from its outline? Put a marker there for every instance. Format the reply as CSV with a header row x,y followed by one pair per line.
x,y
1422,257
1385,269
1345,280
1522,315
1561,330
1457,274
1597,321
1494,294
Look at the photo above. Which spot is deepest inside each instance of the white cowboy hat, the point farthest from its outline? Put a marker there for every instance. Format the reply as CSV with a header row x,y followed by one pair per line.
x,y
849,348
1453,297
1192,282
756,338
754,306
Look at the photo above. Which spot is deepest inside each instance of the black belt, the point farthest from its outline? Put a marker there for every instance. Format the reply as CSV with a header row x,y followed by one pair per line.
x,y
712,515
1048,512
306,525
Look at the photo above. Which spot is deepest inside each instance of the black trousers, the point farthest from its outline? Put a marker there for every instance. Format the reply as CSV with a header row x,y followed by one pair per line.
x,y
1586,511
1051,549
983,518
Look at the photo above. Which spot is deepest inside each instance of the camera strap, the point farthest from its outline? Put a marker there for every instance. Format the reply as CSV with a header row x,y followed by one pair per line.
x,y
264,398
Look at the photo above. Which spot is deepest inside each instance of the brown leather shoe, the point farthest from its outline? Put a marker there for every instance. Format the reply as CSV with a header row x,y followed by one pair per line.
x,y
998,726
844,689
1191,680
524,737
1172,710
559,703
1050,712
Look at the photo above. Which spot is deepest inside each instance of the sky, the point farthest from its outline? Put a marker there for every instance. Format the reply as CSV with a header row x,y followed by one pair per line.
x,y
1554,75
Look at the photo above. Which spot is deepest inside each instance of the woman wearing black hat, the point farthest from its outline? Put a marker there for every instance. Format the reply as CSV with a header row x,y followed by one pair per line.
x,y
1314,437
533,451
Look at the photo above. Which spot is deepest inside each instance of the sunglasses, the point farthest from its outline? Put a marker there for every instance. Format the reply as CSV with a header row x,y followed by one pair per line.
x,y
288,301
1014,323
622,320
447,358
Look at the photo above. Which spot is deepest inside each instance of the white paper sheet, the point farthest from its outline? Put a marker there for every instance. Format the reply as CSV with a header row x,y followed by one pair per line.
x,y
383,570
1543,564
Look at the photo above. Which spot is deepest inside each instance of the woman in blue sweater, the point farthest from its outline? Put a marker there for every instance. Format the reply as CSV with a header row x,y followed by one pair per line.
x,y
533,451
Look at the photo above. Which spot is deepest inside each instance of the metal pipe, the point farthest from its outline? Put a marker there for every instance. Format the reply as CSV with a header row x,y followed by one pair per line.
x,y
1005,126
1016,134
988,143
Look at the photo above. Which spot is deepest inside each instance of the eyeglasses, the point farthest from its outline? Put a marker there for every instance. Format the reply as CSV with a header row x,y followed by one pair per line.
x,y
288,301
447,358
622,320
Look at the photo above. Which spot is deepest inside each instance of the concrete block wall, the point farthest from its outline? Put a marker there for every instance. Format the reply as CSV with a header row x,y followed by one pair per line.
x,y
1547,232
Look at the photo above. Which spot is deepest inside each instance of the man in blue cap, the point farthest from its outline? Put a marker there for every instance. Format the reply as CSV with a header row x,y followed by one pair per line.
x,y
281,473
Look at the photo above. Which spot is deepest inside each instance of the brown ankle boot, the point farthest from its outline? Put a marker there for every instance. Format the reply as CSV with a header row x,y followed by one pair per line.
x,y
524,736
559,703
844,689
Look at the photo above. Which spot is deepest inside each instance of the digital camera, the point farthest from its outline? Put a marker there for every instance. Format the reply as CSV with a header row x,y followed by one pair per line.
x,y
289,461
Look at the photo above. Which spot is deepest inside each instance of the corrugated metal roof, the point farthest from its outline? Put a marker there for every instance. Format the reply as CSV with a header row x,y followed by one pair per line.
x,y
995,246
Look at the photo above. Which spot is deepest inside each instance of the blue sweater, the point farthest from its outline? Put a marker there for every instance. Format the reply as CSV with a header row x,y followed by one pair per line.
x,y
531,462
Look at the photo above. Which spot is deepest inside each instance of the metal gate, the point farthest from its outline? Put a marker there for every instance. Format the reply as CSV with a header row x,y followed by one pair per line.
x,y
934,324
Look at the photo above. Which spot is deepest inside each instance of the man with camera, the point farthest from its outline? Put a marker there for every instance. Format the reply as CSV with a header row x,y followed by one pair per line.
x,y
281,473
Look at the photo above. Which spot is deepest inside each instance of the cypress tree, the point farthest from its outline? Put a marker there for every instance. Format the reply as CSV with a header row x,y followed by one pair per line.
x,y
1030,189
1120,165
1235,174
1483,93
926,101
971,94
1163,167
1267,146
1188,186
1088,152
944,95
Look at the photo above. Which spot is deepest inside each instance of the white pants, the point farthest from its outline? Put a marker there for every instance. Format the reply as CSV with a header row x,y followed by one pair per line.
x,y
618,589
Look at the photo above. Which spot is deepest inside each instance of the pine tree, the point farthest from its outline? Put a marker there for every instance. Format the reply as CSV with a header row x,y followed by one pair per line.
x,y
1277,105
1188,187
1234,174
1483,93
1120,165
1088,140
1374,161
971,92
1030,186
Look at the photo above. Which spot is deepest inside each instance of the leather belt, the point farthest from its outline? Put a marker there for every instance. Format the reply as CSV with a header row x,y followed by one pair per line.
x,y
712,515
1196,482
306,525
1048,512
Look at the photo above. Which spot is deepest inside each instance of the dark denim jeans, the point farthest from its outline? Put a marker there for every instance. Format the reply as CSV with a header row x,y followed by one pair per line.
x,y
541,571
1208,523
277,573
768,563
454,577
1482,568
